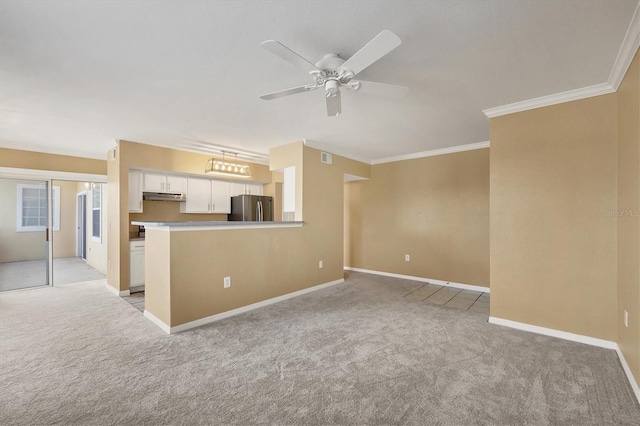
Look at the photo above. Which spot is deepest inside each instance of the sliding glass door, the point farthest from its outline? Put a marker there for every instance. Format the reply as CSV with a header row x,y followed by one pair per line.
x,y
24,233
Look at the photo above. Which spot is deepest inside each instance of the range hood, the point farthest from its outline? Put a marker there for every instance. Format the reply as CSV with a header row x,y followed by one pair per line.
x,y
161,196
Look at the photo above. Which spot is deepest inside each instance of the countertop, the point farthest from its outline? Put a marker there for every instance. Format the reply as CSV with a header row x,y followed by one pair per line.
x,y
219,224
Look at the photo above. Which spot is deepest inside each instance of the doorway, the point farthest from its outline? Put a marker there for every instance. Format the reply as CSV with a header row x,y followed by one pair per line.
x,y
79,245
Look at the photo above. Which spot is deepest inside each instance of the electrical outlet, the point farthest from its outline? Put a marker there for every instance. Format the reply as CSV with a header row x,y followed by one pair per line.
x,y
407,258
626,318
320,264
227,282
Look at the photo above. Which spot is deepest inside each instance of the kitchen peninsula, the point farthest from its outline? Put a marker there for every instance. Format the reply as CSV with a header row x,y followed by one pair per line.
x,y
199,272
187,263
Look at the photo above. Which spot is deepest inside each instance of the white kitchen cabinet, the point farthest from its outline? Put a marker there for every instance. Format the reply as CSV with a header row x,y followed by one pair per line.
x,y
198,196
136,265
240,188
135,191
207,196
254,189
161,182
237,188
220,197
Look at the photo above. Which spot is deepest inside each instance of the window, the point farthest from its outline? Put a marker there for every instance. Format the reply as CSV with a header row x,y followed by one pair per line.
x,y
32,208
96,205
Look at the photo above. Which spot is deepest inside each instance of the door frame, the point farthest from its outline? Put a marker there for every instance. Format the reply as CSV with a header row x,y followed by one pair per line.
x,y
49,176
81,224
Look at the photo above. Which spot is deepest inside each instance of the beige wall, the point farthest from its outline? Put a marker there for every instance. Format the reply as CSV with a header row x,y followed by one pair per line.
x,y
262,263
628,231
436,209
136,155
40,161
553,249
64,240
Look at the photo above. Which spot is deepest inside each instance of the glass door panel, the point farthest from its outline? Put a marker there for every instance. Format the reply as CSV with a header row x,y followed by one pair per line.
x,y
23,234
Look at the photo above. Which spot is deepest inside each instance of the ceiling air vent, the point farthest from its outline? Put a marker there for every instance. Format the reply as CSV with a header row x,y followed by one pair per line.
x,y
326,157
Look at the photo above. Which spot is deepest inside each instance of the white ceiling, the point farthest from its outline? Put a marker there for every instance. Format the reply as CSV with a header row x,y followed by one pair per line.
x,y
74,76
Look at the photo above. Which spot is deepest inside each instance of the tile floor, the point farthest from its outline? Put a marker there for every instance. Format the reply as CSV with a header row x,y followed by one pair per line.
x,y
32,273
136,300
467,300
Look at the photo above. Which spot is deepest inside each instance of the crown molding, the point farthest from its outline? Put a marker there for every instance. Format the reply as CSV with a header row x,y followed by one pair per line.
x,y
626,53
557,98
433,152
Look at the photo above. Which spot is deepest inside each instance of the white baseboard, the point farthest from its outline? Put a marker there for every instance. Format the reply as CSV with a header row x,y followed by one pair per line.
x,y
627,370
116,291
157,321
217,317
422,279
607,344
554,333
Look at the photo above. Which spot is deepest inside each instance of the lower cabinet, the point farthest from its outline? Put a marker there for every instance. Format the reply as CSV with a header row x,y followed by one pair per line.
x,y
136,268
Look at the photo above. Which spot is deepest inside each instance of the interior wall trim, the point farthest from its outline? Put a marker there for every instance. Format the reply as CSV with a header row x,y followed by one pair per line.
x,y
116,291
557,98
627,50
593,341
626,53
433,152
627,370
157,321
601,343
217,317
422,279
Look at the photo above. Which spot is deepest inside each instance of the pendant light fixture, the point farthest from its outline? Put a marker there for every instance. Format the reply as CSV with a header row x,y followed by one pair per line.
x,y
228,167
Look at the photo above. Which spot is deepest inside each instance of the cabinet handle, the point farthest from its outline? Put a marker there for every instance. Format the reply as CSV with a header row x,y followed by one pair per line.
x,y
168,185
213,207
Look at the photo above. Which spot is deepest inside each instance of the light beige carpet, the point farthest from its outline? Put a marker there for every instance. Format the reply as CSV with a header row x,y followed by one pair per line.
x,y
355,353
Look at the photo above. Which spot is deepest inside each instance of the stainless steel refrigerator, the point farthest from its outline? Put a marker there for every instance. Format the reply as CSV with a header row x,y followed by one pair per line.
x,y
251,208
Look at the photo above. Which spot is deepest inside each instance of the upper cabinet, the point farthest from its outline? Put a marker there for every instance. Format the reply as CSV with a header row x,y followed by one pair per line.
x,y
220,196
135,191
160,182
207,196
240,188
204,195
198,196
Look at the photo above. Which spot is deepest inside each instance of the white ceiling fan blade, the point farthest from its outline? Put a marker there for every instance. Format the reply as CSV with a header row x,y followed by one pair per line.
x,y
382,89
289,55
287,92
334,106
382,44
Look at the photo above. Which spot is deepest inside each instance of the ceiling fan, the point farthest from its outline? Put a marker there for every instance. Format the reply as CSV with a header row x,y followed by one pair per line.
x,y
333,72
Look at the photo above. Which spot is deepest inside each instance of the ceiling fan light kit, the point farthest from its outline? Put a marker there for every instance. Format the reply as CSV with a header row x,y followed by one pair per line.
x,y
333,72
